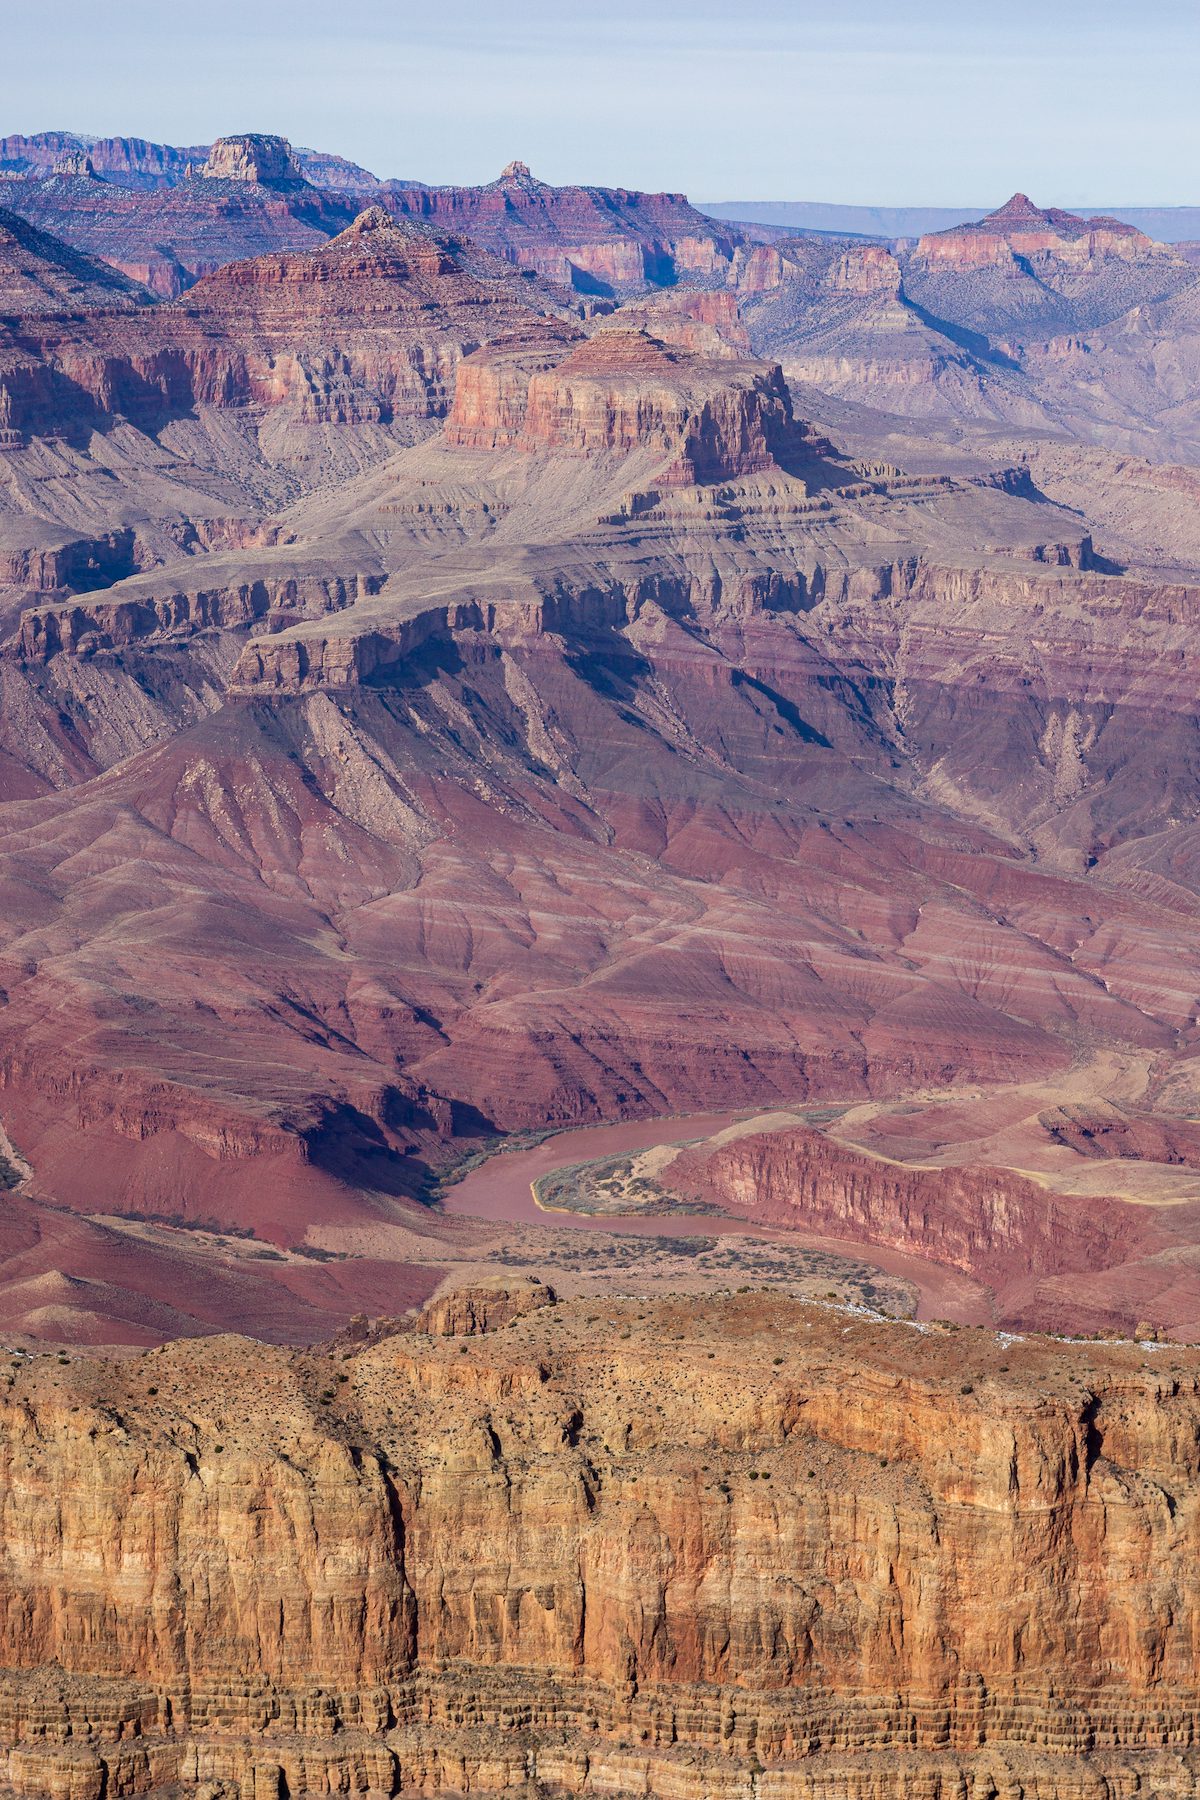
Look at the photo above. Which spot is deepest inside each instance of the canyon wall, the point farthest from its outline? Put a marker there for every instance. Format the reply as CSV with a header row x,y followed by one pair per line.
x,y
799,1556
994,1224
622,390
402,305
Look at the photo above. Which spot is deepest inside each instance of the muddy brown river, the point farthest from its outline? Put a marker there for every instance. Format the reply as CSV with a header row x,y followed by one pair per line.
x,y
501,1189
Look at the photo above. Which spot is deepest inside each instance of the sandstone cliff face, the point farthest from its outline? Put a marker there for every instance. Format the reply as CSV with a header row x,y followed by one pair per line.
x,y
622,390
990,1223
252,157
305,660
796,1556
367,328
706,321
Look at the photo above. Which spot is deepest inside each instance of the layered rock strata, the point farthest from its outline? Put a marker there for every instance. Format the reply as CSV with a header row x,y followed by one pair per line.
x,y
994,1224
367,328
130,160
252,157
606,240
167,236
134,162
799,1555
621,390
1021,229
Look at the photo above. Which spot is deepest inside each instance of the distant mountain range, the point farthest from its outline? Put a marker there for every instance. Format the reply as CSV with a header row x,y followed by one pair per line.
x,y
1167,224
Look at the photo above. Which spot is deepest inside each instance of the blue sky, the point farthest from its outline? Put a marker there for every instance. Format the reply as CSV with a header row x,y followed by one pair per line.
x,y
848,100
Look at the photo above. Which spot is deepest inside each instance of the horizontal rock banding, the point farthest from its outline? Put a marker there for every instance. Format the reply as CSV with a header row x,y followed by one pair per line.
x,y
438,1554
622,390
367,328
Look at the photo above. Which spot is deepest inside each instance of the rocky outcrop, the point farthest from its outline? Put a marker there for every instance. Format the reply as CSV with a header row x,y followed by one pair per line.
x,y
335,174
864,269
76,162
799,1555
484,1306
706,321
622,390
1021,229
252,157
993,1224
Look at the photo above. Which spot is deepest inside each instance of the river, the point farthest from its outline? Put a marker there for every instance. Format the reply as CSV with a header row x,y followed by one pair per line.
x,y
500,1189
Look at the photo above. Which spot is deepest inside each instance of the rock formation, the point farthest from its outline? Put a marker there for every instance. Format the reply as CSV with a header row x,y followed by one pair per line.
x,y
132,162
75,162
135,163
160,208
977,322
721,1548
601,240
998,1226
1107,1131
168,235
253,157
368,326
1021,229
622,390
464,1311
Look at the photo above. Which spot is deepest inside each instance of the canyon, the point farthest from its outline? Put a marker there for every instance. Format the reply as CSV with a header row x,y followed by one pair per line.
x,y
414,667
599,992
167,215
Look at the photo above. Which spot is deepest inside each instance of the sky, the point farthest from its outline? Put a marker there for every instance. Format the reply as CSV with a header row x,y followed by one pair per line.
x,y
888,102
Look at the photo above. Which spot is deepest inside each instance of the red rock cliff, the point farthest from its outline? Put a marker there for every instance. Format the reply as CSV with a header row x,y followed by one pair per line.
x,y
622,390
716,1547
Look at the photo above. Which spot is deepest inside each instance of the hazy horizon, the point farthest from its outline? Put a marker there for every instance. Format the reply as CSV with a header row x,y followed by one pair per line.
x,y
882,105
